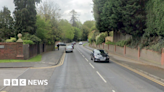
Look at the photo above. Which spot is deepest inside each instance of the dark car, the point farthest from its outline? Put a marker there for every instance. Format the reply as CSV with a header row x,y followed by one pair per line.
x,y
99,55
62,44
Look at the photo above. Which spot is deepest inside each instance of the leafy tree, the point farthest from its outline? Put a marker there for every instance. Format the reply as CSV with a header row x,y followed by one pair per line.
x,y
89,24
67,30
6,24
25,16
98,9
155,19
51,13
85,32
43,27
77,34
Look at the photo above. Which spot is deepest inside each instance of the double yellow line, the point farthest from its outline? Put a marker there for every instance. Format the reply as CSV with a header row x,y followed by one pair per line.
x,y
60,63
137,72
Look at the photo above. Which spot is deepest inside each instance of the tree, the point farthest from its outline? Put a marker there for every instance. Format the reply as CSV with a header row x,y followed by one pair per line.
x,y
67,30
98,9
43,28
51,13
74,18
85,32
6,24
89,24
77,34
25,16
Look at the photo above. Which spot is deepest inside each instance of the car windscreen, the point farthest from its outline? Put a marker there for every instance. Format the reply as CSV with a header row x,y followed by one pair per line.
x,y
100,52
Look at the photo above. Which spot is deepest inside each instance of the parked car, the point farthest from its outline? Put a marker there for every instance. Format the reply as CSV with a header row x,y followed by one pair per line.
x,y
69,49
99,55
62,44
80,43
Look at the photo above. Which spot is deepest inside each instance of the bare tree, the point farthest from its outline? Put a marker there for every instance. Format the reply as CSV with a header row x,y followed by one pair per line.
x,y
49,10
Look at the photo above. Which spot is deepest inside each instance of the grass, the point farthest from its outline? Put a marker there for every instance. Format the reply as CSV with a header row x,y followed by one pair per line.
x,y
111,43
34,59
84,44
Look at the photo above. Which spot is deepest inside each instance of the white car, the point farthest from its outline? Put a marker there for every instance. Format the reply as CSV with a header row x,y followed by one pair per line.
x,y
80,43
69,49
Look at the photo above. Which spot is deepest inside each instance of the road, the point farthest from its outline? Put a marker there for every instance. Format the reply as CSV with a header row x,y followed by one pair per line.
x,y
80,74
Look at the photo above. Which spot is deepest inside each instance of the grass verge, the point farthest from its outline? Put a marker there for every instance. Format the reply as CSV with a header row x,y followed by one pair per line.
x,y
84,44
34,59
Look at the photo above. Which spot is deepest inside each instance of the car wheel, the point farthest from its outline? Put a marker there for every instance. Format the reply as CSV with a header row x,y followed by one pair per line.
x,y
107,61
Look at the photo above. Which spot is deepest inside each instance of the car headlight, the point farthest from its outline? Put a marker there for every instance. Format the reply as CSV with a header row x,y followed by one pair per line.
x,y
96,56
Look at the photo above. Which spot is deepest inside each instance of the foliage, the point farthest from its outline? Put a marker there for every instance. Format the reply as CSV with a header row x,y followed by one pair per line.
x,y
121,43
28,42
33,38
6,24
11,39
89,24
43,28
92,35
34,59
126,16
85,32
111,43
155,19
67,30
101,38
51,15
77,34
25,16
98,9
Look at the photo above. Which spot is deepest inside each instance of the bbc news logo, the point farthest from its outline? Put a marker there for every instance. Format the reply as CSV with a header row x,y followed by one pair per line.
x,y
24,82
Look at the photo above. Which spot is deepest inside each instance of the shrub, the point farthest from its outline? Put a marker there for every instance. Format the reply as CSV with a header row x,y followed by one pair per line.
x,y
123,42
109,42
33,38
11,39
28,42
101,38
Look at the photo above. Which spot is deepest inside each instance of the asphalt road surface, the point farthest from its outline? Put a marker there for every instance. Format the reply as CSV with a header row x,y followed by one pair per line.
x,y
80,74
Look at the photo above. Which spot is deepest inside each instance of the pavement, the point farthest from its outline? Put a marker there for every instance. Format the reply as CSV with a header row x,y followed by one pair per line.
x,y
148,69
30,71
77,73
48,59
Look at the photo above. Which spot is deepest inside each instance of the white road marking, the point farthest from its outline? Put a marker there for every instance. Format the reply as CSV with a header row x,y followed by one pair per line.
x,y
83,55
86,59
101,77
92,65
113,91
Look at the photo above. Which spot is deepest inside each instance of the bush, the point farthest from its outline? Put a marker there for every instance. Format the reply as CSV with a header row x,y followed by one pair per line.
x,y
123,42
28,42
33,38
109,42
11,39
101,38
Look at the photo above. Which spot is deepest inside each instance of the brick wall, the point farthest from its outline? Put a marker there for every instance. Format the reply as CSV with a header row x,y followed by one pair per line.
x,y
11,51
136,54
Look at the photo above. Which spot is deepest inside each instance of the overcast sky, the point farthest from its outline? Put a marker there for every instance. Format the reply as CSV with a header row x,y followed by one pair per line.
x,y
82,7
